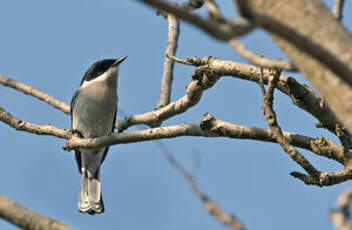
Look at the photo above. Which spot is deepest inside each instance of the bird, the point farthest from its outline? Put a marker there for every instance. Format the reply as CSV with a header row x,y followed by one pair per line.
x,y
93,114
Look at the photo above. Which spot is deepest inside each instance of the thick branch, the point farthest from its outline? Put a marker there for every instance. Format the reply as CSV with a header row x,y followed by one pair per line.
x,y
35,93
27,219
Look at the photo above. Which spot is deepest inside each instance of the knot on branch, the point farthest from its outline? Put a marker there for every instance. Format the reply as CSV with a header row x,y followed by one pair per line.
x,y
344,137
207,122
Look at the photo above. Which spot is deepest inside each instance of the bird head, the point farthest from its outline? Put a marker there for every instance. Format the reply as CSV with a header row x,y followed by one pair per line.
x,y
104,70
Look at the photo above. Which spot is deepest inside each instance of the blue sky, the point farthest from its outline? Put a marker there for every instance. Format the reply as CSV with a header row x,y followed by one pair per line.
x,y
50,44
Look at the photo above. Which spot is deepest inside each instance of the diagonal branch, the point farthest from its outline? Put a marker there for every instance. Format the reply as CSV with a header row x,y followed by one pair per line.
x,y
20,125
276,129
203,80
27,219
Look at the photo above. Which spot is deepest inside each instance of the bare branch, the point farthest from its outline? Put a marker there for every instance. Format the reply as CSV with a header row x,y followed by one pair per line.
x,y
208,204
20,125
167,78
221,32
337,10
35,93
27,219
275,128
340,217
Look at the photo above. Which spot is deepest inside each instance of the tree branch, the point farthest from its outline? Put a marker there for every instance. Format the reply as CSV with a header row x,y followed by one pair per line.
x,y
20,125
27,219
276,129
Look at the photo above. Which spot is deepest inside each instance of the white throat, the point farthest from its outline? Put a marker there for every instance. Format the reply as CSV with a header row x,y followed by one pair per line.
x,y
112,72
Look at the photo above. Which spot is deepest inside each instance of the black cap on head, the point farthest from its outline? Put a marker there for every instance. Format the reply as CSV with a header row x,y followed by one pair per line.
x,y
101,67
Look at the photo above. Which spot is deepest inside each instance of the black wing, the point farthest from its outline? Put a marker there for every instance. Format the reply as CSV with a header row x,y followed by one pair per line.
x,y
113,127
77,152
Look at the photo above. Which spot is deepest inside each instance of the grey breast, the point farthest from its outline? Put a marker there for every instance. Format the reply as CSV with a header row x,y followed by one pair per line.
x,y
94,110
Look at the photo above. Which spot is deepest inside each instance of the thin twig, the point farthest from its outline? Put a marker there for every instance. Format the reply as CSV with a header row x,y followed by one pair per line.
x,y
209,205
217,17
27,219
258,60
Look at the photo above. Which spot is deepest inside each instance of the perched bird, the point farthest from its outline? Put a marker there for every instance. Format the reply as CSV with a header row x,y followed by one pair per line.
x,y
93,114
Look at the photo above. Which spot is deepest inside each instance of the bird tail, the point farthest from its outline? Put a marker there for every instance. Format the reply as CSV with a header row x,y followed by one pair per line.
x,y
90,198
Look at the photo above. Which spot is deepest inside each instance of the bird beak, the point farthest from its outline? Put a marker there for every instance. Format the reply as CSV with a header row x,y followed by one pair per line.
x,y
118,61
